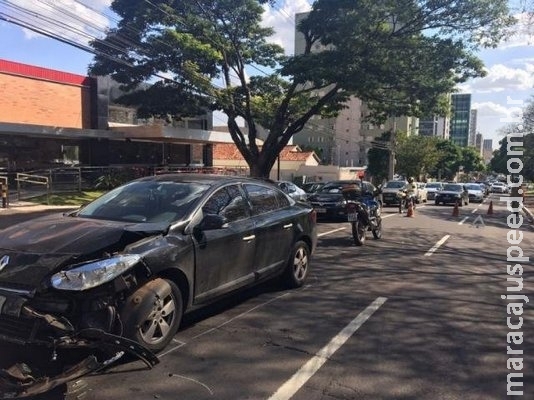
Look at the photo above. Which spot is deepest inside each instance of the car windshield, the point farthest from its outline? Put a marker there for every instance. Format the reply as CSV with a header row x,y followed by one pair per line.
x,y
337,187
395,184
146,201
453,187
433,185
473,186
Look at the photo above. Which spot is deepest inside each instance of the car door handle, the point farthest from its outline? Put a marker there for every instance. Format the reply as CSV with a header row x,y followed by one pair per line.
x,y
249,238
288,226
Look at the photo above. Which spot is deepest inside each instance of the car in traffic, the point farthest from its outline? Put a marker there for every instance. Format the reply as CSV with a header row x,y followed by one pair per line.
x,y
421,193
452,193
117,275
432,188
391,192
475,192
312,187
329,202
293,190
499,187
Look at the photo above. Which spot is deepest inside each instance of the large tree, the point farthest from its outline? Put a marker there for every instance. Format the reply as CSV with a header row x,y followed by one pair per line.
x,y
398,56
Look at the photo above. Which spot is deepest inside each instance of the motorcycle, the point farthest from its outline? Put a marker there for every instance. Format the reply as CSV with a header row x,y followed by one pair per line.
x,y
405,199
364,215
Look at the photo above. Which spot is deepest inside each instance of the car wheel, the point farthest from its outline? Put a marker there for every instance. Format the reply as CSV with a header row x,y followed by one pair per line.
x,y
152,314
436,203
297,267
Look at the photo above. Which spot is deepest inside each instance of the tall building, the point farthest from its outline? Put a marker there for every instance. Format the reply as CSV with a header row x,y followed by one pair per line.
x,y
335,140
460,119
479,141
434,126
472,128
487,150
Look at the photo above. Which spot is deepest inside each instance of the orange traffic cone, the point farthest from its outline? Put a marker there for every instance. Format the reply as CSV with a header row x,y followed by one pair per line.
x,y
410,212
456,210
490,208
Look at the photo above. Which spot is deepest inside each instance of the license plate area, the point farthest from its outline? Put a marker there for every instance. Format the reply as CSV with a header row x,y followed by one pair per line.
x,y
320,210
351,217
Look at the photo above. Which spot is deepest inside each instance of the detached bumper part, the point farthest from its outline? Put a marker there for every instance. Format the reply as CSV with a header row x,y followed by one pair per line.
x,y
17,381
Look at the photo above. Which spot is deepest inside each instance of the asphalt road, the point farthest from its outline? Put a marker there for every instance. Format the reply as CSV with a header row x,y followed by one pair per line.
x,y
415,315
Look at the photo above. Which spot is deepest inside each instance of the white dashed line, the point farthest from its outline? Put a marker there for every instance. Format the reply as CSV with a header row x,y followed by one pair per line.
x,y
437,245
290,387
329,232
462,221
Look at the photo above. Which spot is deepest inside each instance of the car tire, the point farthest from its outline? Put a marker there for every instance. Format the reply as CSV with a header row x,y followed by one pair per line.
x,y
297,266
152,314
436,203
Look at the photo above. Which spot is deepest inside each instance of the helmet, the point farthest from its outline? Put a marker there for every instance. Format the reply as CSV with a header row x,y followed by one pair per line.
x,y
411,179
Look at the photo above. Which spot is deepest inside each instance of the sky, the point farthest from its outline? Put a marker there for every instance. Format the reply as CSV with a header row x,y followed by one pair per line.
x,y
498,97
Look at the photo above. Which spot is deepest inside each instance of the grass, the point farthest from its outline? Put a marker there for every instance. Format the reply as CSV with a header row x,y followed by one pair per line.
x,y
68,198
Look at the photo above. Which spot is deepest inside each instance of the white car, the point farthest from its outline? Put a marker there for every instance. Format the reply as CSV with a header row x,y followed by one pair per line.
x,y
432,188
499,187
293,190
422,193
476,192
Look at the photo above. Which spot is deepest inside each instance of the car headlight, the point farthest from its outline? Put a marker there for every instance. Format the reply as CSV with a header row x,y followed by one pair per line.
x,y
341,203
93,274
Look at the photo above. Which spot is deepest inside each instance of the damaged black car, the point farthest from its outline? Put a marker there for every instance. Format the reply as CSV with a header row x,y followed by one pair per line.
x,y
116,276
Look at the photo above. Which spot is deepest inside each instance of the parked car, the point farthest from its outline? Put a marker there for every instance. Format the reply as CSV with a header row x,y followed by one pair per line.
x,y
390,192
312,187
293,190
475,191
329,202
452,193
432,188
117,275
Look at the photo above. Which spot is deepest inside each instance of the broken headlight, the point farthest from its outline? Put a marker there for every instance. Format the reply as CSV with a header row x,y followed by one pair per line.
x,y
93,274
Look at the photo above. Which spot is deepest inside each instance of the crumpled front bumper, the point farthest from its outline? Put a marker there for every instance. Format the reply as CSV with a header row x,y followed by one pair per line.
x,y
18,381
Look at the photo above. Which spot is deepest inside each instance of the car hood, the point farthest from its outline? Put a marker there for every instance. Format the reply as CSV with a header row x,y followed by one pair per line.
x,y
391,190
34,249
449,192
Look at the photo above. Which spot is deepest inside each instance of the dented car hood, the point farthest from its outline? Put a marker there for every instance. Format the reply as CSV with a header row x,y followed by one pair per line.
x,y
38,247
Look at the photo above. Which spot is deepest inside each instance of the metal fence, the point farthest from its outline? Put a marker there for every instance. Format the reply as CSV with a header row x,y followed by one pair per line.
x,y
40,182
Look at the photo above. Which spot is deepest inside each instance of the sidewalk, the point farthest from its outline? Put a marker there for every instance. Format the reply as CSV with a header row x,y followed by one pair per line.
x,y
17,207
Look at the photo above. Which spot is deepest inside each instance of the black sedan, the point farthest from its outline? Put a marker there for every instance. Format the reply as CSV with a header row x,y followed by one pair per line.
x,y
117,275
329,202
452,193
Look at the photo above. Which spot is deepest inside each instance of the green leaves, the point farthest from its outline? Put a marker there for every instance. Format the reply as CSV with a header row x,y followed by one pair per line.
x,y
400,57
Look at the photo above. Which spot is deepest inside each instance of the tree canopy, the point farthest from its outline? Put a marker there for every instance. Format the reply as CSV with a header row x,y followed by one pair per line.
x,y
398,56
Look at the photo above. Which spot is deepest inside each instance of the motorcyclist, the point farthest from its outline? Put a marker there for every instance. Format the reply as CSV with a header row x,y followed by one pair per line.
x,y
410,189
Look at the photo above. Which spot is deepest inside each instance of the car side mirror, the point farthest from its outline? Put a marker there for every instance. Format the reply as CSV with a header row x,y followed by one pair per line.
x,y
211,222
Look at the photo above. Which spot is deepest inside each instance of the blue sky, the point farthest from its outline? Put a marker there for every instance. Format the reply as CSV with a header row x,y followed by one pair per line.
x,y
498,97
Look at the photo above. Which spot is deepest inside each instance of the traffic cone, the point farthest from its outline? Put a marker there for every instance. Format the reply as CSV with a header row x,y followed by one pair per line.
x,y
410,212
490,208
456,210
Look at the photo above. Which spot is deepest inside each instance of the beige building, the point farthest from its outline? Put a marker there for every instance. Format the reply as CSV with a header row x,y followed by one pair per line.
x,y
292,158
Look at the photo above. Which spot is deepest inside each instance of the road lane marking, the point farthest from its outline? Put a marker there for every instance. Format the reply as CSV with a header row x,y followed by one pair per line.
x,y
474,211
291,386
389,215
437,245
329,232
462,221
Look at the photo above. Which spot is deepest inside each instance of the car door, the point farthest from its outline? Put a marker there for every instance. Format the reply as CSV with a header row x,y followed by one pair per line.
x,y
225,256
275,225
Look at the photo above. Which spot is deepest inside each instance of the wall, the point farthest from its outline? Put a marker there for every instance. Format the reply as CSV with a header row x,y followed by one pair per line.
x,y
39,96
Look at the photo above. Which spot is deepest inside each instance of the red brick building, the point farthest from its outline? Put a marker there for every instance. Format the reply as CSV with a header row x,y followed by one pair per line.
x,y
50,118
